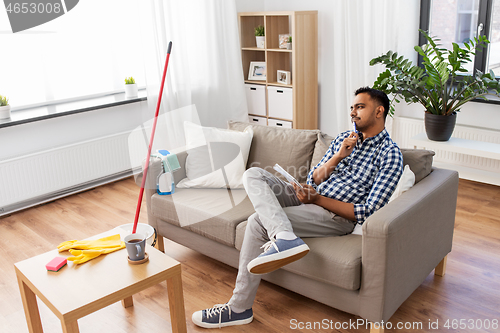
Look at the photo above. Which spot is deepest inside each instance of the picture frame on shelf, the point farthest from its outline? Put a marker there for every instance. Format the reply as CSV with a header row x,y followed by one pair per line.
x,y
257,71
284,77
283,40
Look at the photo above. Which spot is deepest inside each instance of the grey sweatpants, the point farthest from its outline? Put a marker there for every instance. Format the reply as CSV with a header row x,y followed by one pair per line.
x,y
277,208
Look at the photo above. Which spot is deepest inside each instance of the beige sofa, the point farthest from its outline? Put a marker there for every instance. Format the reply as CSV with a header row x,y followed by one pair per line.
x,y
369,275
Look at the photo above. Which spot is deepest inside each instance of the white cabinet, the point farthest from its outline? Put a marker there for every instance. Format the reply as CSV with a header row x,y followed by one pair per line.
x,y
256,99
280,102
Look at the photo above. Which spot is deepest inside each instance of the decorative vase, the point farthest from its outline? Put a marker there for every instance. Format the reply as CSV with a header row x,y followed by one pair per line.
x,y
260,41
131,90
5,112
439,127
288,46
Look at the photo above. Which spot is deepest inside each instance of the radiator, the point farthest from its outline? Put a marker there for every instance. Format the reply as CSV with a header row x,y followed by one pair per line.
x,y
45,176
405,128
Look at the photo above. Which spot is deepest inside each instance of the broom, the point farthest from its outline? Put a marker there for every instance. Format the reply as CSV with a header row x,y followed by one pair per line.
x,y
145,173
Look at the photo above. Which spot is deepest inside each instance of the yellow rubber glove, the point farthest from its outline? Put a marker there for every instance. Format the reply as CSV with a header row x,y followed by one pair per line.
x,y
106,242
81,256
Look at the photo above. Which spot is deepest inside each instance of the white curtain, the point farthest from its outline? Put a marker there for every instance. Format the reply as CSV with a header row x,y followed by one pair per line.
x,y
205,70
363,30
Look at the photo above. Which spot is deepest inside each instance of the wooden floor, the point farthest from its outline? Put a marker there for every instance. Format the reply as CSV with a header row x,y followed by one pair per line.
x,y
469,290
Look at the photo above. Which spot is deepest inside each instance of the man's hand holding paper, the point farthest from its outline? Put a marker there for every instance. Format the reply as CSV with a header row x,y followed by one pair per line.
x,y
307,194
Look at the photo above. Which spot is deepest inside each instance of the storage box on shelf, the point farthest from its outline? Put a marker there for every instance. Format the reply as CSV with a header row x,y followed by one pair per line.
x,y
280,102
256,99
279,123
292,105
257,120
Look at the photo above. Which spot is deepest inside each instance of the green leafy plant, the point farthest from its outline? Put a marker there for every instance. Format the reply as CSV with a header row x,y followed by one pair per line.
x,y
129,80
4,101
438,86
259,31
290,39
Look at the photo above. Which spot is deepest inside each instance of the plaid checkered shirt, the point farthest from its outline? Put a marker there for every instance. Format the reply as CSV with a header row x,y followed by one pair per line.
x,y
366,178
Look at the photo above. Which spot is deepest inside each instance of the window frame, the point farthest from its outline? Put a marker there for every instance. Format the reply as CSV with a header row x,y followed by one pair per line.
x,y
484,17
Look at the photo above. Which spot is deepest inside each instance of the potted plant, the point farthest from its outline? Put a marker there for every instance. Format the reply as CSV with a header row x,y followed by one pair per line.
x,y
289,44
259,36
130,87
437,85
4,107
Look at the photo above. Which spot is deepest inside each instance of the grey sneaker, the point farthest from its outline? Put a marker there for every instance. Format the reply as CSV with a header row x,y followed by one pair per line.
x,y
278,253
221,316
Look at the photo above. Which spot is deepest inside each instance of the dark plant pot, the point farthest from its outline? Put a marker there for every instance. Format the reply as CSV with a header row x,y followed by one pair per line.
x,y
438,127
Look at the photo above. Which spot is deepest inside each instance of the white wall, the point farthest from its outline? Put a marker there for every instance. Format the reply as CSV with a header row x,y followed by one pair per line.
x,y
250,6
472,114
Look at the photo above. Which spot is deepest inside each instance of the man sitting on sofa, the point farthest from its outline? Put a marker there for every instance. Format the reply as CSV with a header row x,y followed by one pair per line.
x,y
356,177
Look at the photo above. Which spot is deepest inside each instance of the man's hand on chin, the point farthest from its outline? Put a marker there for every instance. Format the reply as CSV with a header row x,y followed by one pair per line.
x,y
306,195
348,145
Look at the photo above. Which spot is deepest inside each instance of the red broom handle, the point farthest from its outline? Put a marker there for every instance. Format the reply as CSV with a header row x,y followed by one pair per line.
x,y
145,173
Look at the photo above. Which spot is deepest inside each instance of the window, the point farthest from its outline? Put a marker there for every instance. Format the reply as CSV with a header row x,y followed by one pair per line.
x,y
457,21
87,51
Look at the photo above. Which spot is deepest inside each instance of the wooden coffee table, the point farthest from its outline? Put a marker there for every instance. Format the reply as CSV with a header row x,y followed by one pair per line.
x,y
78,290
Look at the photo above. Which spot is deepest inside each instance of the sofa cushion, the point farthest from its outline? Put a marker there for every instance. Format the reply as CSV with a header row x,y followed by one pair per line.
x,y
213,213
240,232
332,260
216,158
419,160
321,147
290,148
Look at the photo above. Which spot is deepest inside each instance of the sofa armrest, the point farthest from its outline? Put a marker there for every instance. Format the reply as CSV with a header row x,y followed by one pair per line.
x,y
155,168
180,174
404,241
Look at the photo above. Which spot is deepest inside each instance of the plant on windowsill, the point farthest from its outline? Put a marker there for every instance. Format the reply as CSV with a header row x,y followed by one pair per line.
x,y
4,107
130,87
259,36
438,86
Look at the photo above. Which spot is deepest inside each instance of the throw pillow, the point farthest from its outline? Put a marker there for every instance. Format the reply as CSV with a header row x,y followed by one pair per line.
x,y
405,183
290,148
216,157
322,145
358,229
419,160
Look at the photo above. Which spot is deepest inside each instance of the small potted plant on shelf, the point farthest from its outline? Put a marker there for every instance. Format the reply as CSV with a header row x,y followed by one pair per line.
x,y
130,87
4,107
437,85
289,43
259,36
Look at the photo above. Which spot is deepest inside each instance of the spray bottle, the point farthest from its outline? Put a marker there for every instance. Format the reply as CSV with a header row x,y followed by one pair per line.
x,y
165,184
